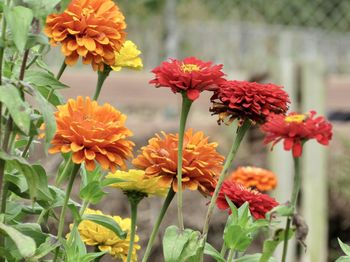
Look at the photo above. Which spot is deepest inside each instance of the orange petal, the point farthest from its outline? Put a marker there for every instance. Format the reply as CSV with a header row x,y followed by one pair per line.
x,y
78,157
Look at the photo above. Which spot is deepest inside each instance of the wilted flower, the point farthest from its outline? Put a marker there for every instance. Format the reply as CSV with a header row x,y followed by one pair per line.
x,y
128,56
259,204
136,180
201,163
106,240
248,100
92,132
190,75
294,129
255,178
92,29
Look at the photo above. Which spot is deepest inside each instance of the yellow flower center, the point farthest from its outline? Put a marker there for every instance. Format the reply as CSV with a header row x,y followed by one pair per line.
x,y
188,68
190,147
295,119
87,11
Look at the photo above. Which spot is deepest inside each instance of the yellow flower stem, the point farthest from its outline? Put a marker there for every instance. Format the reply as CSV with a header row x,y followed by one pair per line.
x,y
155,229
186,105
134,198
101,78
294,200
75,171
241,131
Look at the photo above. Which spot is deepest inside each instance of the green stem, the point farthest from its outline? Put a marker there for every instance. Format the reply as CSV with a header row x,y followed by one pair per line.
x,y
230,255
223,250
294,201
186,105
155,229
83,207
65,205
60,73
230,157
42,47
101,78
133,206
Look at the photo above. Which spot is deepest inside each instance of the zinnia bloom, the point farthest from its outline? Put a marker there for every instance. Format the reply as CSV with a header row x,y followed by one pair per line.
x,y
190,75
259,204
92,29
255,178
248,100
201,163
136,180
92,132
128,56
295,129
93,234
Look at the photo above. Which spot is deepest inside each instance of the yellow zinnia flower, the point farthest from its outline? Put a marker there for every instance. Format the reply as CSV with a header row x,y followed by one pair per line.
x,y
96,235
128,56
138,181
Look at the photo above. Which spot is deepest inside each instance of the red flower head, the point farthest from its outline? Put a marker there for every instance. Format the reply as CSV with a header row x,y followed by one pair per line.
x,y
248,100
190,75
259,204
295,129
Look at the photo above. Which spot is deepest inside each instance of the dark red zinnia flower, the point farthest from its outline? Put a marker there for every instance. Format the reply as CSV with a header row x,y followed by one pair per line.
x,y
259,204
248,100
295,129
190,75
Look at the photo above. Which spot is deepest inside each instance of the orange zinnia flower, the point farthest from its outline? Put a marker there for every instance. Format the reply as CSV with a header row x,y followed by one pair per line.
x,y
92,29
201,163
255,177
92,132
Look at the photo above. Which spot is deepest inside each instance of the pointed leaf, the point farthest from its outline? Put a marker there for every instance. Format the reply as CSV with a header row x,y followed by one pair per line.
x,y
344,247
106,222
211,251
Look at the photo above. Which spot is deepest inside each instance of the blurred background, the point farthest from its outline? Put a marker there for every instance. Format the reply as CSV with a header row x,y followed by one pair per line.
x,y
300,44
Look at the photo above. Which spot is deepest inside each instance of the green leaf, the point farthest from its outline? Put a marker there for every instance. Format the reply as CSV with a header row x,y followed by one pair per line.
x,y
40,78
25,245
32,230
110,181
42,185
234,210
36,39
65,169
106,222
54,99
253,258
343,259
44,249
19,110
271,244
281,210
344,247
244,214
236,238
19,19
64,4
49,117
17,180
92,192
211,251
181,246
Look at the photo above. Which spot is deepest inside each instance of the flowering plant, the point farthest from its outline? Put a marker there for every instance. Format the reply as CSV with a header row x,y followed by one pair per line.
x,y
96,147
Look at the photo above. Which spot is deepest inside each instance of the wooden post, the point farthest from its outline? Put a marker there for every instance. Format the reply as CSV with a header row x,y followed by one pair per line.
x,y
314,175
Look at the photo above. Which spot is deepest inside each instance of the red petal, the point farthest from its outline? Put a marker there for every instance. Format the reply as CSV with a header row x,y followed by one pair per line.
x,y
192,94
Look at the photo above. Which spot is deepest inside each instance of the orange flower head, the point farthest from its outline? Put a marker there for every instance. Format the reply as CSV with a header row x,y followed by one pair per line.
x,y
202,164
92,132
255,178
92,29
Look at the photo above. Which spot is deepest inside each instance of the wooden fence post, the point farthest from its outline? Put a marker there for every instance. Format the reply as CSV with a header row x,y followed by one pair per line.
x,y
314,172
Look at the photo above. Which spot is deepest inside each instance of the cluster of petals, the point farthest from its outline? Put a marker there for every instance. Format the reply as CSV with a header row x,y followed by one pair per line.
x,y
201,167
254,177
136,180
189,75
295,129
93,234
91,29
128,56
259,204
248,100
92,132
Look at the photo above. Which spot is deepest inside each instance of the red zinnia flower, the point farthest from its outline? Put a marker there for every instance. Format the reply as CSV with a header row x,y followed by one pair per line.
x,y
295,129
259,204
248,100
190,75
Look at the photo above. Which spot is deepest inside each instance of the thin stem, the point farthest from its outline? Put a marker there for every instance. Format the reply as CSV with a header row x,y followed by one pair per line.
x,y
83,207
223,250
230,157
186,105
60,73
155,229
42,47
230,255
101,78
65,205
23,65
25,151
133,207
294,200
